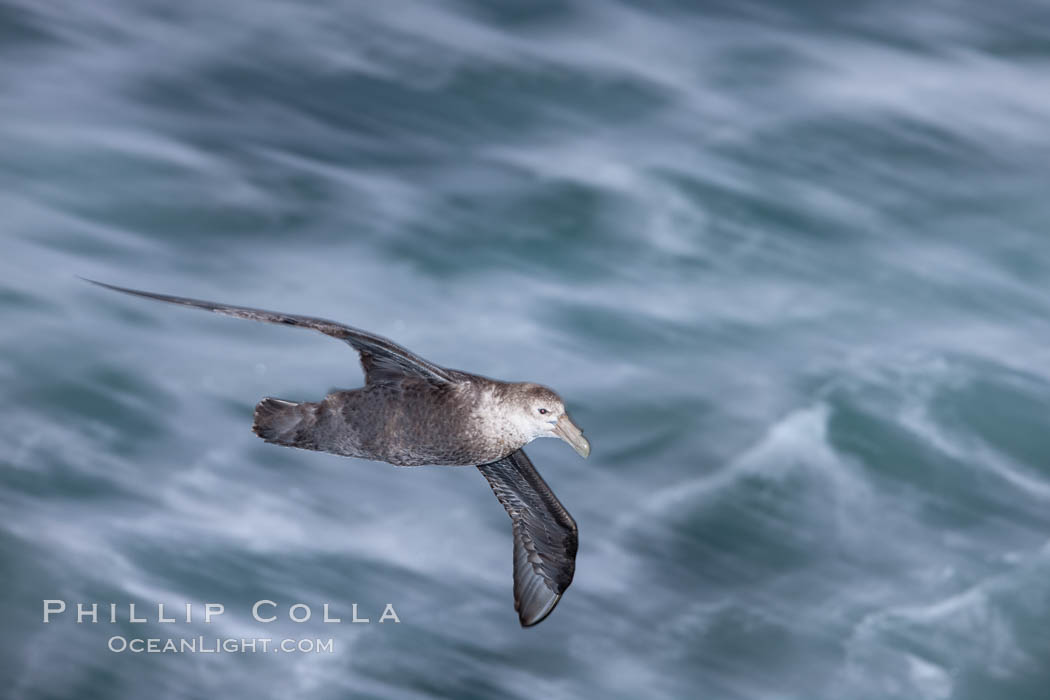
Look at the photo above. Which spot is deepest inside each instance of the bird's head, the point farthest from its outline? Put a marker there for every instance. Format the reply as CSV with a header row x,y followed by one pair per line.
x,y
541,413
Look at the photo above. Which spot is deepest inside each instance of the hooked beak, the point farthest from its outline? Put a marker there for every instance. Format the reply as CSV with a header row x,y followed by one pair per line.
x,y
567,431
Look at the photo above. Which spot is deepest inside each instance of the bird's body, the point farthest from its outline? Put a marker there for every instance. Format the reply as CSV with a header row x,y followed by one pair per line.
x,y
412,412
405,421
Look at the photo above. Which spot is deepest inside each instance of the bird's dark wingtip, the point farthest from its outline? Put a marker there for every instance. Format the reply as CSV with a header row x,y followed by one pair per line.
x,y
531,618
100,284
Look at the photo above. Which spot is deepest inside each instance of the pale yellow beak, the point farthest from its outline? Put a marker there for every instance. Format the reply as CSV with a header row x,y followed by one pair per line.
x,y
567,431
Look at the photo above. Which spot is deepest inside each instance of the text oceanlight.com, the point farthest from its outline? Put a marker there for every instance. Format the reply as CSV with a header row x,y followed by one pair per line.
x,y
220,645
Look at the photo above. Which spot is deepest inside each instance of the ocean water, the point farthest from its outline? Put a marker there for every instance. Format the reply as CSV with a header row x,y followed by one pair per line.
x,y
789,264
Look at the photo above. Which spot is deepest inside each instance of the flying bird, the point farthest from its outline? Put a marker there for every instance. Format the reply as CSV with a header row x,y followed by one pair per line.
x,y
412,412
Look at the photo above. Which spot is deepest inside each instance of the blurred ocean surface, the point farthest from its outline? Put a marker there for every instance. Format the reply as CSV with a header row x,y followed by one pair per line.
x,y
788,262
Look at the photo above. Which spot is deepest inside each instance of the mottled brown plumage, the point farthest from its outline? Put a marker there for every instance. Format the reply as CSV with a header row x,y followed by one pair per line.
x,y
412,412
406,421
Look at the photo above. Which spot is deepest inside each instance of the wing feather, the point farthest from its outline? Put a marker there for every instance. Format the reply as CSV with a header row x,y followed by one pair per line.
x,y
381,358
545,536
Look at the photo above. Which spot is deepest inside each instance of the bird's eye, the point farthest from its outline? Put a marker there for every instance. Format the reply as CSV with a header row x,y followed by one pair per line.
x,y
542,411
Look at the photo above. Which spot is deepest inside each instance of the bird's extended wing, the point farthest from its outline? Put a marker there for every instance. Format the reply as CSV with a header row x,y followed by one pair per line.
x,y
380,357
545,536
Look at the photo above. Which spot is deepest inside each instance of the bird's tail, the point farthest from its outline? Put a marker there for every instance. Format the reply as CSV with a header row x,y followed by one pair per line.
x,y
285,422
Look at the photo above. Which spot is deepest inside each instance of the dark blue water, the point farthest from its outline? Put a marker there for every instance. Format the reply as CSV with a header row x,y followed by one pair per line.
x,y
788,263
